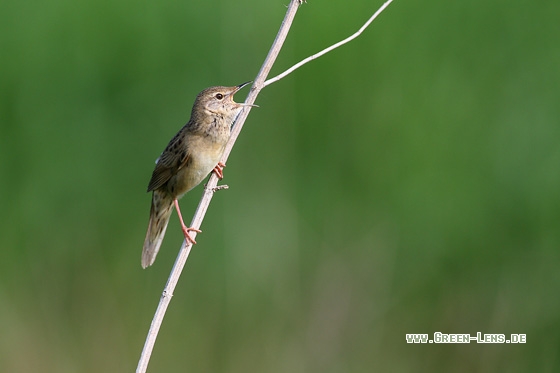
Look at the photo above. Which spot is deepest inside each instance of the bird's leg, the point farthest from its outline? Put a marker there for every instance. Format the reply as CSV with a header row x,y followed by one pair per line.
x,y
219,170
183,226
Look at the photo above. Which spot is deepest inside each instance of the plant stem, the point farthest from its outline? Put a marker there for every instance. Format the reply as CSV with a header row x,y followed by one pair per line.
x,y
258,84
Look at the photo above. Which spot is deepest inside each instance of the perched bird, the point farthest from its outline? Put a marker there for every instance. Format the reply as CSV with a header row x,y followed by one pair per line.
x,y
188,158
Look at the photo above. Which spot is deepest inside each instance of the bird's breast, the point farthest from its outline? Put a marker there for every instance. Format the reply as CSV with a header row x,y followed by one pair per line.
x,y
204,155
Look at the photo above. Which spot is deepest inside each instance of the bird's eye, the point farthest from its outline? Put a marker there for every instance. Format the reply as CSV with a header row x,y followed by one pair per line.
x,y
219,96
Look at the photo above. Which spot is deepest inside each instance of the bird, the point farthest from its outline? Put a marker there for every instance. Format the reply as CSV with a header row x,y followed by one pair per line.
x,y
190,156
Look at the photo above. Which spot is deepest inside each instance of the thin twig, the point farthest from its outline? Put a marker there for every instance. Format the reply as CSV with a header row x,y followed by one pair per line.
x,y
208,192
220,187
327,50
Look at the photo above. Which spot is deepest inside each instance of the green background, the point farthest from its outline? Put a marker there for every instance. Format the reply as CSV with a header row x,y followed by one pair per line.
x,y
408,182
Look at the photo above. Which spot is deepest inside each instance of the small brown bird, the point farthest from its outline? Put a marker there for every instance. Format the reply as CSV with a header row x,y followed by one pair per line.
x,y
188,158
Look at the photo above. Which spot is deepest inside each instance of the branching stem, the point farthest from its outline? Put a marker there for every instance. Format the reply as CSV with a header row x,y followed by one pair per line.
x,y
258,84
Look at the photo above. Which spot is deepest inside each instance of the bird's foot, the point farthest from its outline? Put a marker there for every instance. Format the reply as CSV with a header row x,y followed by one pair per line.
x,y
187,235
183,226
219,170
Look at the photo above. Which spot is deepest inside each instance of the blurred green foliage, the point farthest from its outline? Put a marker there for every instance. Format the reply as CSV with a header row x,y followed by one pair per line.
x,y
405,183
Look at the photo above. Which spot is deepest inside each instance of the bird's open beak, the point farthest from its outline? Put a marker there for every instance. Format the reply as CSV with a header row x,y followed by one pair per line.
x,y
241,86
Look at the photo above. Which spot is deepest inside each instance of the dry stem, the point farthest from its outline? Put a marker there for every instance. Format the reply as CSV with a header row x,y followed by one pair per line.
x,y
210,188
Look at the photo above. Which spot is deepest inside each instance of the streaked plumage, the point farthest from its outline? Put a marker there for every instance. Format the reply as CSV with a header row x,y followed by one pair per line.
x,y
188,158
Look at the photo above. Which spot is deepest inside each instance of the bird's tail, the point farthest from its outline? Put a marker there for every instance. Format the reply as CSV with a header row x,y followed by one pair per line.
x,y
162,206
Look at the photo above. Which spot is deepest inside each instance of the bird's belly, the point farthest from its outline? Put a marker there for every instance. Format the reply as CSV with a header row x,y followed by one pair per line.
x,y
199,166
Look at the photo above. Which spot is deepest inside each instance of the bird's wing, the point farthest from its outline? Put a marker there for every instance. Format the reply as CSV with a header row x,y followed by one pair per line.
x,y
175,156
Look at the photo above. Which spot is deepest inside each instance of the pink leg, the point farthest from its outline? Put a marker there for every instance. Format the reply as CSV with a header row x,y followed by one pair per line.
x,y
219,170
183,226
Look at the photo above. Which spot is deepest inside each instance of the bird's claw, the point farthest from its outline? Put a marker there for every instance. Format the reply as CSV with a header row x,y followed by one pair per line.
x,y
188,236
219,170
